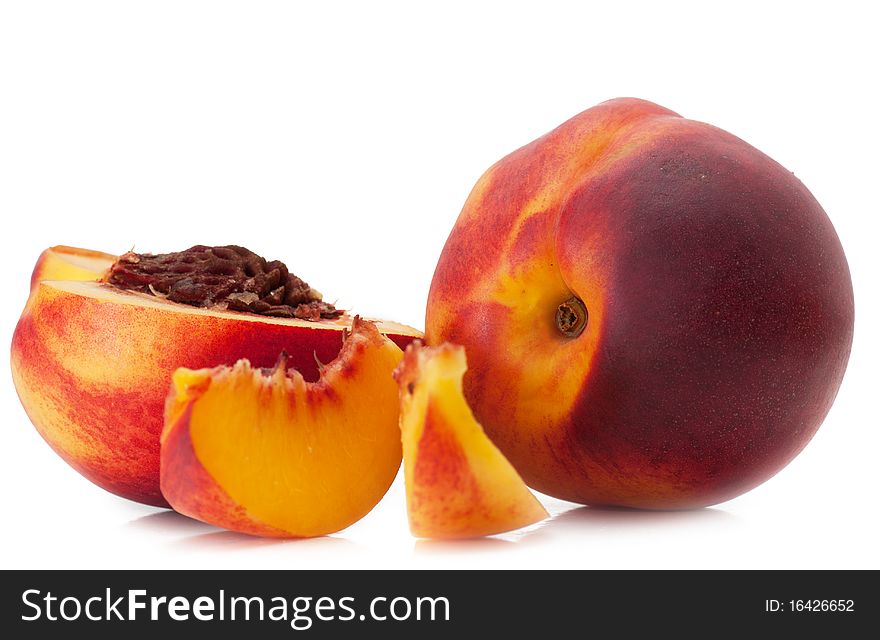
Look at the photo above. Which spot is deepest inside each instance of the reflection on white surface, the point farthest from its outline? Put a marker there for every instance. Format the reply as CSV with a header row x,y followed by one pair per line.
x,y
494,544
201,537
620,518
778,526
168,522
232,541
583,523
581,528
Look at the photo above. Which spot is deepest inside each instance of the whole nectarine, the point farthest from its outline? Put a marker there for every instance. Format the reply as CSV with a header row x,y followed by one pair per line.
x,y
656,314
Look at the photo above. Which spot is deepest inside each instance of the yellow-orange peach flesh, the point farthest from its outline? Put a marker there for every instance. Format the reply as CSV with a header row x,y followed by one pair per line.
x,y
70,263
267,453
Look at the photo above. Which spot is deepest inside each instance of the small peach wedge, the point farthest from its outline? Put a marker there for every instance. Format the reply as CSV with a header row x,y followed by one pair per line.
x,y
458,484
266,453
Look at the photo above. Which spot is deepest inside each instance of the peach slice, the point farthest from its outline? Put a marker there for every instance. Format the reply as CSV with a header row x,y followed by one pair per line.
x,y
92,364
458,484
267,453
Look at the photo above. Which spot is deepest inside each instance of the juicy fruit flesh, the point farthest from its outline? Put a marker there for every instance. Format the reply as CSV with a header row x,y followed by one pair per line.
x,y
228,277
458,483
85,259
70,263
302,458
83,264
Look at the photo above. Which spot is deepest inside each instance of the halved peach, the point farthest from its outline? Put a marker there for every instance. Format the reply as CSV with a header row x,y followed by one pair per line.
x,y
266,453
458,484
92,363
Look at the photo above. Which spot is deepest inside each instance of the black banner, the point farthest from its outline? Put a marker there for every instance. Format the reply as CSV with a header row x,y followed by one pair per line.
x,y
433,604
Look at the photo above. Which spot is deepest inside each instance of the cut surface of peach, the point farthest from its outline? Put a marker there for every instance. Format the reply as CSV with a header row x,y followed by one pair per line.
x,y
458,484
266,453
70,263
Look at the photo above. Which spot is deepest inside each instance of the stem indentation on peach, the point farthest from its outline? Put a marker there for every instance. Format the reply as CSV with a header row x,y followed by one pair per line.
x,y
572,317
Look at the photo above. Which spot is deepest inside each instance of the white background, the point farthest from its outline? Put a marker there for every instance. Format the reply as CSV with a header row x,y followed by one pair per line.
x,y
344,139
